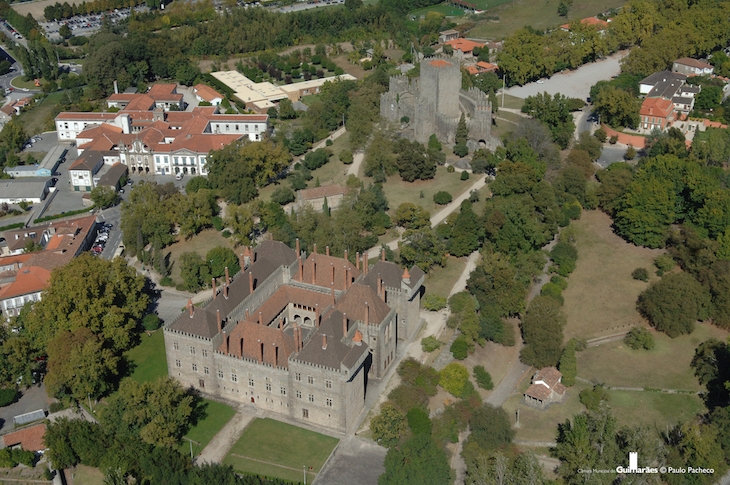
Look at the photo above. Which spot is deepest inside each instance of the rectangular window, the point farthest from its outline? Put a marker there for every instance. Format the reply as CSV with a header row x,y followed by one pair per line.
x,y
175,346
283,391
234,378
311,398
250,382
305,413
299,394
192,350
195,367
329,402
206,371
177,363
268,386
310,379
220,374
298,376
205,352
328,384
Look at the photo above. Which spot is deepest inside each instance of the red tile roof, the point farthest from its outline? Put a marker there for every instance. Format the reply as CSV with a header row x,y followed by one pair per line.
x,y
251,340
597,23
656,107
464,45
30,439
29,279
486,66
688,61
322,268
472,70
440,63
353,304
206,92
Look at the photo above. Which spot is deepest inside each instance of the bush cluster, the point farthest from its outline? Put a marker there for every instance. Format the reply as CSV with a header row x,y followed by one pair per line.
x,y
433,302
430,343
483,378
639,338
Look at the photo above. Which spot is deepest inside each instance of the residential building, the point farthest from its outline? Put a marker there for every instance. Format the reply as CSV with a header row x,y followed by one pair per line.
x,y
463,48
314,197
13,108
656,113
648,83
82,171
486,67
448,35
673,87
297,335
29,439
24,286
163,96
546,388
589,21
206,93
29,189
692,67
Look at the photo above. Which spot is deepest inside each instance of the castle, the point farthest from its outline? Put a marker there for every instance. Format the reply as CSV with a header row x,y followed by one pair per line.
x,y
434,103
295,334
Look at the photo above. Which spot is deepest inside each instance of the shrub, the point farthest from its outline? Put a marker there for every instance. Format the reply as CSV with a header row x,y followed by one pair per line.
x,y
442,197
433,302
328,142
639,338
453,321
23,457
591,398
461,150
429,344
405,119
640,274
56,407
8,396
630,153
167,281
346,157
613,140
559,281
464,175
226,233
283,196
419,421
6,458
483,378
600,135
407,397
564,255
468,391
151,322
453,377
553,291
461,301
388,425
217,223
664,262
450,169
460,348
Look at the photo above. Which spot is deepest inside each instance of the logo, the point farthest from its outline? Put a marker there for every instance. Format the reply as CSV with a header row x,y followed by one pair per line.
x,y
634,465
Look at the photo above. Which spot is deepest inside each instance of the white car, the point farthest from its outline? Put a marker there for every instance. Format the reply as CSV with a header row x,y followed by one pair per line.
x,y
540,81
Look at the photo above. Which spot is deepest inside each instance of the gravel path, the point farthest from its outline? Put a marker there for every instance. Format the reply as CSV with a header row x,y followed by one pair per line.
x,y
222,442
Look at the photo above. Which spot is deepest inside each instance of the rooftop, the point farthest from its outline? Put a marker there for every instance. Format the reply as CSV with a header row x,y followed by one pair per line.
x,y
30,439
688,61
464,45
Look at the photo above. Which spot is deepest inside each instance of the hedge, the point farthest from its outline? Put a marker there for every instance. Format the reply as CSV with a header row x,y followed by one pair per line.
x,y
65,214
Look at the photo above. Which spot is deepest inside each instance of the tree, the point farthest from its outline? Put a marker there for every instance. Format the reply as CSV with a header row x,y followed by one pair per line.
x,y
412,216
442,197
542,331
639,338
196,212
65,31
105,63
13,135
159,410
490,427
462,132
711,365
568,364
418,460
220,258
555,112
413,162
423,248
617,107
465,234
495,282
673,304
286,109
148,215
483,378
193,271
104,296
388,426
563,9
453,378
79,365
240,219
197,183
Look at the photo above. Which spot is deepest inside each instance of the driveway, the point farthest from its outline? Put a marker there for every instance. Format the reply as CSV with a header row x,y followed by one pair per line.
x,y
574,84
611,154
354,461
33,399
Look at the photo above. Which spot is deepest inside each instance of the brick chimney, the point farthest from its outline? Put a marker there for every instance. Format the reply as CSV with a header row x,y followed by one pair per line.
x,y
332,280
327,250
365,262
298,253
228,278
281,324
301,269
301,340
380,284
218,319
314,248
324,342
344,277
357,260
296,336
261,318
250,283
241,262
316,314
225,291
333,294
191,307
349,278
367,314
382,253
345,256
314,271
214,293
247,314
344,324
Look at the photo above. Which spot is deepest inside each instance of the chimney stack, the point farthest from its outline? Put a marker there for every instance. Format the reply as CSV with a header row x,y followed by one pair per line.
x,y
367,314
349,279
225,291
314,272
241,261
344,276
333,294
281,324
261,318
301,269
383,254
218,318
228,343
296,336
298,253
345,257
116,87
344,324
214,293
365,263
316,314
357,260
314,248
380,284
191,307
332,280
324,342
327,250
228,278
247,314
250,283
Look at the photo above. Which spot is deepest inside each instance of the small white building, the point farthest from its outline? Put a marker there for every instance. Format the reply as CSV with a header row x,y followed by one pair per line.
x,y
32,190
82,171
206,93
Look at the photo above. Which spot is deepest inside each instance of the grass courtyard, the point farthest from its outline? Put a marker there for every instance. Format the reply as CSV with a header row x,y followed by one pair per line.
x,y
201,243
439,281
277,449
148,359
216,415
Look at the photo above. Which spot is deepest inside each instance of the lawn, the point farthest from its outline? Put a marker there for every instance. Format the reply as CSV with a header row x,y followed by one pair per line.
x,y
445,8
614,364
38,119
201,243
148,358
18,82
439,281
216,416
654,408
397,191
86,475
277,449
540,14
310,99
510,102
601,294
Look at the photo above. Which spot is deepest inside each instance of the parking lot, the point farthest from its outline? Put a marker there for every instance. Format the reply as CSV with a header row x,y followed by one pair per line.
x,y
89,23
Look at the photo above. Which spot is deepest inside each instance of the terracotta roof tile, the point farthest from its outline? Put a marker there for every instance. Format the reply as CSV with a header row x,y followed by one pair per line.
x,y
538,391
320,265
251,340
464,45
353,302
206,92
30,439
688,61
29,279
324,191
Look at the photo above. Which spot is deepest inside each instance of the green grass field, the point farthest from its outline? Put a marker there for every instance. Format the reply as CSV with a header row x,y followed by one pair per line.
x,y
201,243
37,120
653,408
445,8
439,281
277,449
86,475
217,415
148,358
540,14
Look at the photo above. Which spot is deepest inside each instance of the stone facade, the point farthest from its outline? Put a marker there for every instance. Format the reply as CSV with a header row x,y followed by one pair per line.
x,y
296,334
435,101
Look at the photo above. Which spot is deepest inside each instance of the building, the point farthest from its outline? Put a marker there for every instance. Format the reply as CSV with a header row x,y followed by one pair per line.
x,y
82,171
23,277
448,35
656,113
671,86
30,189
589,21
13,108
546,388
29,439
259,97
114,177
297,335
486,67
463,48
434,103
206,93
163,96
648,83
314,198
22,171
692,67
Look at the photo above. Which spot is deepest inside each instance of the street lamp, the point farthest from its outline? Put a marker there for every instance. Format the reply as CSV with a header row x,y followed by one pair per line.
x,y
304,472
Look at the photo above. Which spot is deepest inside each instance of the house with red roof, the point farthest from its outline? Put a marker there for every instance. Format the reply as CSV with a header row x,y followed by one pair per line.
x,y
589,21
164,96
463,48
486,67
204,92
29,439
656,113
546,388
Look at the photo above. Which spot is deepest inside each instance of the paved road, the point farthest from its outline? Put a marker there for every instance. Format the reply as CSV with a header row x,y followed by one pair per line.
x,y
33,399
355,461
611,154
574,84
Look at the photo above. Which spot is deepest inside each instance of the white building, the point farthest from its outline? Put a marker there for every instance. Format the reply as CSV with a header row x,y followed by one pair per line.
x,y
31,190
